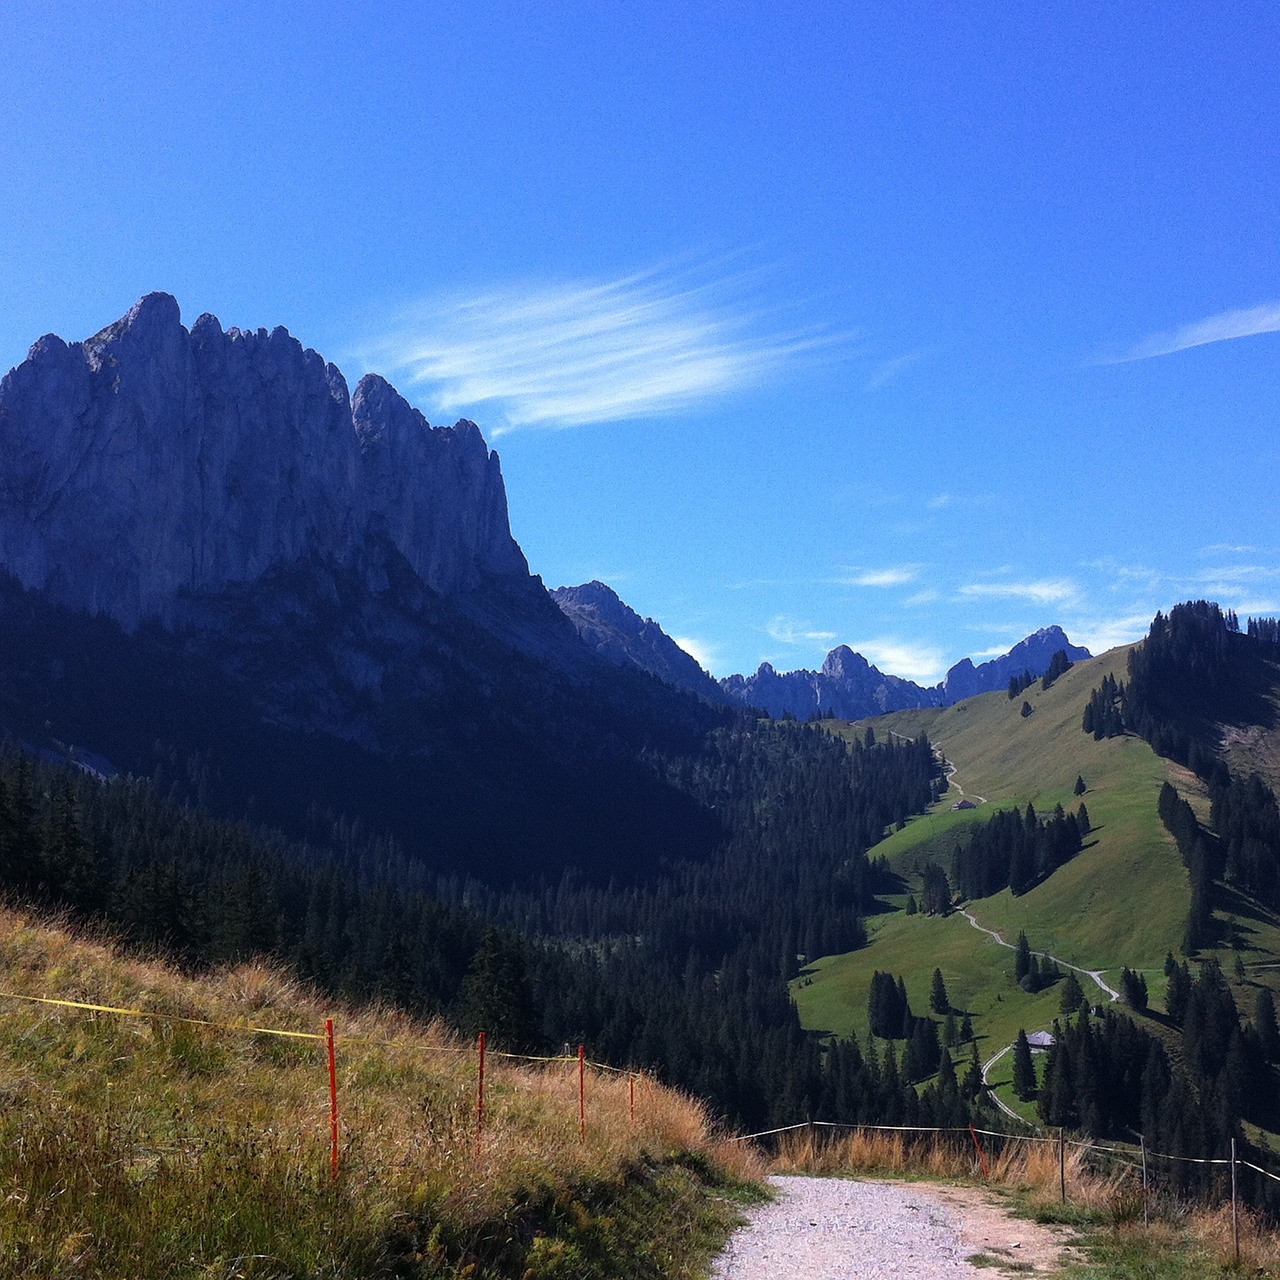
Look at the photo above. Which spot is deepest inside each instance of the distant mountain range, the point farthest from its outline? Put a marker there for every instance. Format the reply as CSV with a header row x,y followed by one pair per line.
x,y
847,686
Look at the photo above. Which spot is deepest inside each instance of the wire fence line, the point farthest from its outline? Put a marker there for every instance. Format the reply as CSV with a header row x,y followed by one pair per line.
x,y
329,1036
330,1040
1122,1154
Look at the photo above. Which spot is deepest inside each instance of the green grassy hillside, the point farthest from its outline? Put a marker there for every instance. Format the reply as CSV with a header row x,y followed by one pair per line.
x,y
1121,901
1085,911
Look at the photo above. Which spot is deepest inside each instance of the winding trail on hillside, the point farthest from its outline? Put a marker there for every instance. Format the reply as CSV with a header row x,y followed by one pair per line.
x,y
1095,974
995,1097
841,1229
948,769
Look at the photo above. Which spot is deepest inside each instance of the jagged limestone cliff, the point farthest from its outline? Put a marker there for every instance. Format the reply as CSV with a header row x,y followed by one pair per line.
x,y
150,463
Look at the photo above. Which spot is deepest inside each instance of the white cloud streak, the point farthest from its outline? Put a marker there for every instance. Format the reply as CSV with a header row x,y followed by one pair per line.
x,y
1223,327
705,654
919,662
1044,591
569,353
893,576
786,630
891,370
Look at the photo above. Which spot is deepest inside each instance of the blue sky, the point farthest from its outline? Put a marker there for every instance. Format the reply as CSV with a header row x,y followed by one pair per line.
x,y
912,327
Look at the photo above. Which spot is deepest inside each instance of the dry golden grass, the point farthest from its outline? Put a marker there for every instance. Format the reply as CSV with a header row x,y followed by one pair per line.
x,y
162,1103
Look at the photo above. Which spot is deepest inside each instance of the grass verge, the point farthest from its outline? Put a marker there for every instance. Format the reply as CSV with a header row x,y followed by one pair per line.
x,y
148,1148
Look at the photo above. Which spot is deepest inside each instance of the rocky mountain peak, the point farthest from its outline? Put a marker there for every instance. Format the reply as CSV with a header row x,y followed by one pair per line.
x,y
843,664
150,463
617,632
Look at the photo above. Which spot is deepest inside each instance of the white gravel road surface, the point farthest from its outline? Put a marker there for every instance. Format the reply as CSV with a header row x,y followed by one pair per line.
x,y
838,1229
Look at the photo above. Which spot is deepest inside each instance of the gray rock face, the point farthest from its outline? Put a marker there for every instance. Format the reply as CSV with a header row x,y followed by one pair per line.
x,y
849,687
148,464
616,632
964,680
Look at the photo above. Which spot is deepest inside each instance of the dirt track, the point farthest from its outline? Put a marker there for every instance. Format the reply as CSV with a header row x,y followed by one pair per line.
x,y
841,1229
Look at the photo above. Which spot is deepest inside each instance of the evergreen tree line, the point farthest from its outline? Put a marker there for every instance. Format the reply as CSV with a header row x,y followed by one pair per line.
x,y
1033,972
1244,813
1201,856
1110,1077
1015,850
684,974
1104,712
925,1050
1195,669
1264,630
687,973
204,891
1019,683
1059,665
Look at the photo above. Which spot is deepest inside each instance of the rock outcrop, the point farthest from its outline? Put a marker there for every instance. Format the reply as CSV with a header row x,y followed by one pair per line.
x,y
149,464
617,632
848,687
1033,654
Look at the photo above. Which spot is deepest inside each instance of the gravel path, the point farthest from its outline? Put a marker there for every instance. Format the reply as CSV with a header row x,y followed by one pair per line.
x,y
837,1229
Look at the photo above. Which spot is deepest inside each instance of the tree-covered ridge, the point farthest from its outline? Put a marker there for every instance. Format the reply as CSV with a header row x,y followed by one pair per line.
x,y
1192,672
684,973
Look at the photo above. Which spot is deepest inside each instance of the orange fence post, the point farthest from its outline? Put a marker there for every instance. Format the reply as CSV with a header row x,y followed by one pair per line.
x,y
986,1173
480,1096
333,1100
582,1093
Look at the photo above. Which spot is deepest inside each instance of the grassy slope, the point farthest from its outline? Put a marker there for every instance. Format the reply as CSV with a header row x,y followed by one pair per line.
x,y
1085,912
141,1148
1122,900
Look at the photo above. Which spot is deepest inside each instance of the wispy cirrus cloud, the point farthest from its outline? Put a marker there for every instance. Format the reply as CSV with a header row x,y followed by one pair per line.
x,y
1100,634
891,576
1042,591
787,630
890,370
567,353
1224,326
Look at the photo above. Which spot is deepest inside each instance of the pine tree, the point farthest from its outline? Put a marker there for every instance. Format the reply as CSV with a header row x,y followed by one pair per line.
x,y
938,999
1080,785
1133,987
496,997
1072,995
1178,992
966,1032
1024,1069
1022,963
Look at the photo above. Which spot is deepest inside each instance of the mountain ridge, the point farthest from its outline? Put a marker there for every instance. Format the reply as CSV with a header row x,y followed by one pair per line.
x,y
849,687
150,463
